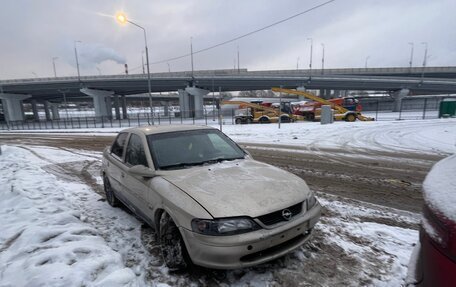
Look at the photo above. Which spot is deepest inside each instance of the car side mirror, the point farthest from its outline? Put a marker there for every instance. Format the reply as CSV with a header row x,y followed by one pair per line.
x,y
141,170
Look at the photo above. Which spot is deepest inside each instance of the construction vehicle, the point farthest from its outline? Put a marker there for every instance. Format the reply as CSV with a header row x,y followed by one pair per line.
x,y
261,113
312,111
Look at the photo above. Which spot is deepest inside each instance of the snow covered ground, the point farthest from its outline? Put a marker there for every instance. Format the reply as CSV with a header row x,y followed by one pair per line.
x,y
58,230
424,136
437,136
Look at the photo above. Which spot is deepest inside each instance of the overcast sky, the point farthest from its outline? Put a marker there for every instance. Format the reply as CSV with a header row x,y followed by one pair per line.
x,y
32,32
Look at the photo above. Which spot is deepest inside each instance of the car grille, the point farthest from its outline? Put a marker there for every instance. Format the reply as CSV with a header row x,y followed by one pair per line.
x,y
276,216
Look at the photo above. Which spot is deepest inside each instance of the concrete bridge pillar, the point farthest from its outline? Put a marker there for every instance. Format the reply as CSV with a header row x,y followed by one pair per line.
x,y
398,96
55,111
184,103
165,105
12,106
36,116
124,107
321,93
302,89
47,112
101,101
116,107
327,94
198,100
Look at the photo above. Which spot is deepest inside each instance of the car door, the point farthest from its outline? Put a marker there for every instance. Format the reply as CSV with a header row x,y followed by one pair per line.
x,y
115,162
138,186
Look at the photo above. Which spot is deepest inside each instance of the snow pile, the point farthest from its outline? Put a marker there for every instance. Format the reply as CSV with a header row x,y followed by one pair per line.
x,y
440,187
44,239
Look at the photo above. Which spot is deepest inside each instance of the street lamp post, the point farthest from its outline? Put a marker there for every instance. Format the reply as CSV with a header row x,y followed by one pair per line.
x,y
310,62
411,55
191,53
365,62
297,63
424,60
239,69
122,19
53,65
322,58
77,60
142,62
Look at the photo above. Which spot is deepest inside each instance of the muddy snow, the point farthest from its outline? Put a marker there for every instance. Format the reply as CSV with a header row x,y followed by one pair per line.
x,y
58,230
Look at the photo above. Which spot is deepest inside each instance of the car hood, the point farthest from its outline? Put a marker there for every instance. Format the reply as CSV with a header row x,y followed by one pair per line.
x,y
240,188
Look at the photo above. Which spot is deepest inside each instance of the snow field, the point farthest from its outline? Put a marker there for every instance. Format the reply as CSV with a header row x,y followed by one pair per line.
x,y
62,233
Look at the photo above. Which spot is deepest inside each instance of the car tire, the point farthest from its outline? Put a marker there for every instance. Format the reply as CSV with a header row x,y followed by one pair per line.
x,y
238,121
285,119
264,120
110,196
350,118
172,245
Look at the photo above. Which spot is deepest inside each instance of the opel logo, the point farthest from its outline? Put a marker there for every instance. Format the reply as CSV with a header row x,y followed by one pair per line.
x,y
286,214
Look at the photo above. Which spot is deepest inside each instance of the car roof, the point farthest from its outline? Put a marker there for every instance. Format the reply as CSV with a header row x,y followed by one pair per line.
x,y
157,129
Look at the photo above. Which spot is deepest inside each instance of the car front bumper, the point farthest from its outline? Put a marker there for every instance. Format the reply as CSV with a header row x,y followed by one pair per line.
x,y
252,248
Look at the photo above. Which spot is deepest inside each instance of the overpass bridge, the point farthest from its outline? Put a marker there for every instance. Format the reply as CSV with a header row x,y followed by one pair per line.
x,y
192,87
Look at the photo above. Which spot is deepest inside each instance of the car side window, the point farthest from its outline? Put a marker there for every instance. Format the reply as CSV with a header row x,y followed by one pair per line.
x,y
135,151
118,145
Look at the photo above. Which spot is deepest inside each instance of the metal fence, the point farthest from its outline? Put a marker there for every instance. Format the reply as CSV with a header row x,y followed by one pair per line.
x,y
138,119
382,109
376,108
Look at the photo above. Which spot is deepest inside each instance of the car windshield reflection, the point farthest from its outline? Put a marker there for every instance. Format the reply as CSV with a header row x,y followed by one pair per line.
x,y
178,150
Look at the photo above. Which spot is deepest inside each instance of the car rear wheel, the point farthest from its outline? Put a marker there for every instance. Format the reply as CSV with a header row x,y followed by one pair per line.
x,y
238,121
110,196
264,120
350,117
173,248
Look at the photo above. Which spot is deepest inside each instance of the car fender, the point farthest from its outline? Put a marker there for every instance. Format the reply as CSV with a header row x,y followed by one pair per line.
x,y
177,203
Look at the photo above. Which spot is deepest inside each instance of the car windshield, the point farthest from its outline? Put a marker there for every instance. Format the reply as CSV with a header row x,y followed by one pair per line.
x,y
182,149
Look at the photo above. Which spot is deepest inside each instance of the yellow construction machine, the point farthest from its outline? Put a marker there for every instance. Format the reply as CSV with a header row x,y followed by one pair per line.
x,y
257,113
340,113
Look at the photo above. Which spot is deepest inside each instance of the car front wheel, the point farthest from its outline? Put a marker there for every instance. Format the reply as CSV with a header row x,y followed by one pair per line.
x,y
110,196
173,248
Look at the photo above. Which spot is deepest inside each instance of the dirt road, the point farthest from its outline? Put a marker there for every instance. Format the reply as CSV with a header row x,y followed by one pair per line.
x,y
385,178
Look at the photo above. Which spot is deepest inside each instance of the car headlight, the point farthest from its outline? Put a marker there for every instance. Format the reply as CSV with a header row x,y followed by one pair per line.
x,y
311,201
226,226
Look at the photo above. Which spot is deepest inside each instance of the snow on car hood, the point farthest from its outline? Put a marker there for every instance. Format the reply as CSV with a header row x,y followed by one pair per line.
x,y
440,187
240,188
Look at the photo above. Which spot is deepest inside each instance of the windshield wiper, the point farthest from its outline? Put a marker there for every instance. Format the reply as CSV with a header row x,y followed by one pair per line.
x,y
220,159
188,164
181,165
